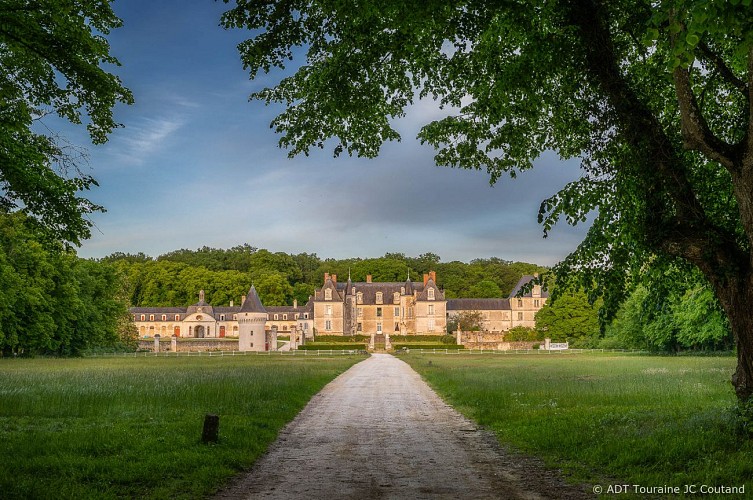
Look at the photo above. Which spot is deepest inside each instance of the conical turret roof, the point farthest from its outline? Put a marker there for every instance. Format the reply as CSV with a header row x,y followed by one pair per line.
x,y
253,303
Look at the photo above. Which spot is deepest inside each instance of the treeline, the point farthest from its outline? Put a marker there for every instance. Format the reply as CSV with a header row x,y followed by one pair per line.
x,y
676,312
51,301
176,277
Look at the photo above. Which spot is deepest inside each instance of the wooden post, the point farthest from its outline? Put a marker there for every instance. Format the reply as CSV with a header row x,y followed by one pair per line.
x,y
211,429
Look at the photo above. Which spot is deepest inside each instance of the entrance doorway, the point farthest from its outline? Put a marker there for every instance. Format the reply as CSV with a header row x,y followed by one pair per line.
x,y
199,332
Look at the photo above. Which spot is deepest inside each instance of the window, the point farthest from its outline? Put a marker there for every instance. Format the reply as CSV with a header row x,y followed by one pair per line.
x,y
397,312
359,327
536,303
328,325
379,298
235,317
396,298
305,326
284,317
359,297
430,293
222,317
177,317
379,312
276,317
402,290
520,316
520,302
359,312
431,309
295,316
397,327
134,317
284,328
164,317
329,311
305,315
328,294
379,328
151,317
431,324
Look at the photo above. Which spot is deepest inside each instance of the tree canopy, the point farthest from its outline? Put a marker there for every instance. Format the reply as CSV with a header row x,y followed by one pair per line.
x,y
52,54
653,97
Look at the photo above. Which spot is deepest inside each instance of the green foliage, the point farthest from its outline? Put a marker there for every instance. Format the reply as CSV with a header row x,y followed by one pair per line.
x,y
52,302
679,312
176,277
130,428
523,334
570,318
51,63
647,420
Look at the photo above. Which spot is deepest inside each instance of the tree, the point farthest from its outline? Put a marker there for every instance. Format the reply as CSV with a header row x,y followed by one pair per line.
x,y
467,321
50,57
654,97
570,318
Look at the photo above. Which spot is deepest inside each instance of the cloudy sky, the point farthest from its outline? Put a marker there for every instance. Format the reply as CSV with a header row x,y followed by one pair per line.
x,y
197,164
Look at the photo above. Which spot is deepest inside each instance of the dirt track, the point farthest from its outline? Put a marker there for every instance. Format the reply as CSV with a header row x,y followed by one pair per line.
x,y
378,431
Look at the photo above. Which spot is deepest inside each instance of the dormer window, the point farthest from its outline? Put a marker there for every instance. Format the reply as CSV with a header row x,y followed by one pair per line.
x,y
359,297
379,298
222,317
328,294
402,290
177,317
151,317
396,298
164,317
430,293
284,317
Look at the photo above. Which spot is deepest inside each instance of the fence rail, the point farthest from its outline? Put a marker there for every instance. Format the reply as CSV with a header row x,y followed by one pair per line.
x,y
193,354
519,351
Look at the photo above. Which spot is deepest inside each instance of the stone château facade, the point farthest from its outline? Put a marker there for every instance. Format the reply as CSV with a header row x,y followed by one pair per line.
x,y
340,308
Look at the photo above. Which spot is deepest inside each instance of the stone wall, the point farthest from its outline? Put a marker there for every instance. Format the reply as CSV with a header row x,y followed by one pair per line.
x,y
493,341
192,345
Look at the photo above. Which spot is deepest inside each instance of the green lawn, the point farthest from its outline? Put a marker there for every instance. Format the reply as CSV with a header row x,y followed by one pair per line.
x,y
114,427
605,419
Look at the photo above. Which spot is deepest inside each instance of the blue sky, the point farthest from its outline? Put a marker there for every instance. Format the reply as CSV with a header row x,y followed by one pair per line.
x,y
197,164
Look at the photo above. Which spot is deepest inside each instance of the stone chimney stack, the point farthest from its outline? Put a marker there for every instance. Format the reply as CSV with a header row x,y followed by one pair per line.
x,y
231,303
368,278
433,276
243,299
426,279
334,279
295,303
326,277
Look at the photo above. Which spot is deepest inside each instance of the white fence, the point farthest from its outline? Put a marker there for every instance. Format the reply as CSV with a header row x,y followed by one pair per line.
x,y
193,354
519,351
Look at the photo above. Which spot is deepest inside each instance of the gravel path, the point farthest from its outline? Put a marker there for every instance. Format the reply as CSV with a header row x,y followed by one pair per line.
x,y
378,431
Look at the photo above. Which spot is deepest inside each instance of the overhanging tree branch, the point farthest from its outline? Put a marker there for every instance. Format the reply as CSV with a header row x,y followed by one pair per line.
x,y
695,131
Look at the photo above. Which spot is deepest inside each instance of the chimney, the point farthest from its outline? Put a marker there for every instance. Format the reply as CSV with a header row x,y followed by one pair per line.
x,y
426,279
231,303
334,279
295,303
243,299
368,278
326,277
433,276
535,275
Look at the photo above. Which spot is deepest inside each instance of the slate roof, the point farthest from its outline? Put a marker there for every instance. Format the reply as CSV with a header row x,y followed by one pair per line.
x,y
252,303
525,279
424,294
369,290
478,305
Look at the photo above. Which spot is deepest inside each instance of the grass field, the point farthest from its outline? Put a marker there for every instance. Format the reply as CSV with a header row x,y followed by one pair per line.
x,y
605,419
113,428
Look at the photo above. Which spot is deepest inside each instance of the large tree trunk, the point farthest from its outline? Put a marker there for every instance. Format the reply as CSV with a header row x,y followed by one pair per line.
x,y
737,302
